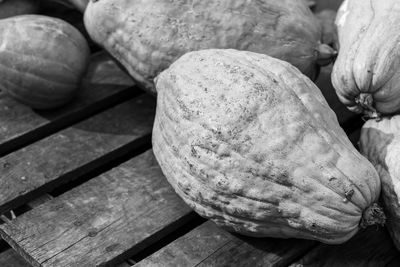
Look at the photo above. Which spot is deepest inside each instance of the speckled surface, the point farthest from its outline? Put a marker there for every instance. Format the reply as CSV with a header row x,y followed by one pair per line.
x,y
147,36
249,142
380,142
368,60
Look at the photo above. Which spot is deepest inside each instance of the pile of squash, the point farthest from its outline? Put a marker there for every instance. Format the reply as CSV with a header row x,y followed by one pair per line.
x,y
241,132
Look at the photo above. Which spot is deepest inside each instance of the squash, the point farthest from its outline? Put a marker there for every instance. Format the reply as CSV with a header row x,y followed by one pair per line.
x,y
79,4
367,70
10,8
380,143
147,36
42,60
249,142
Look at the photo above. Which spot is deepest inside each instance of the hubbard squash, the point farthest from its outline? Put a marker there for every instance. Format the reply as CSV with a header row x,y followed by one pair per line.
x,y
42,60
147,36
380,143
366,73
249,142
10,8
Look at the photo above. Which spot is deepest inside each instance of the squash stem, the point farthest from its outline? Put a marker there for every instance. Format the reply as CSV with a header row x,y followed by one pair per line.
x,y
326,54
373,215
366,101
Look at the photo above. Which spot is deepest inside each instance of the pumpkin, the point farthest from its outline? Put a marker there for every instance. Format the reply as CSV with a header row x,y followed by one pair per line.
x,y
380,143
10,8
367,70
42,60
249,142
147,36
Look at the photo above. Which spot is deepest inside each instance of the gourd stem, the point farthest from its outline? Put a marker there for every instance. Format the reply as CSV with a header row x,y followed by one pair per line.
x,y
326,54
366,101
373,215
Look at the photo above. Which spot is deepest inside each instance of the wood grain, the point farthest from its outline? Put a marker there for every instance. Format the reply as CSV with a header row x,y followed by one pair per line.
x,y
103,220
20,125
370,248
208,245
72,152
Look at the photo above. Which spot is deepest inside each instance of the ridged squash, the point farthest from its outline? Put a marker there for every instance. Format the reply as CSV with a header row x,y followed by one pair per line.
x,y
366,73
10,8
147,36
380,143
42,60
249,142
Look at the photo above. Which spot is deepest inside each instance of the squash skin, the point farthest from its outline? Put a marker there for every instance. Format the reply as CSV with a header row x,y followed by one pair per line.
x,y
367,70
380,143
147,36
42,60
249,142
10,8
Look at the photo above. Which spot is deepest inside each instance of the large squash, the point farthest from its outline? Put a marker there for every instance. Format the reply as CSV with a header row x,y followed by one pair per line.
x,y
249,142
366,73
42,60
380,143
147,36
10,8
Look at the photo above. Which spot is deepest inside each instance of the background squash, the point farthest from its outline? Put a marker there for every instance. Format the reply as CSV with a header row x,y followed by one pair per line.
x,y
10,8
380,143
366,73
147,36
249,142
42,60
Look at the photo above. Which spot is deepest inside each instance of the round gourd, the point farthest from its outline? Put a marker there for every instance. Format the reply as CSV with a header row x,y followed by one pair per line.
x,y
147,36
249,142
366,73
10,8
380,143
42,60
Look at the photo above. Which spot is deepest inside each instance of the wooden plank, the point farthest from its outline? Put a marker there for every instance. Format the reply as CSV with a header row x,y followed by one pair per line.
x,y
208,245
68,154
372,247
20,125
101,221
10,258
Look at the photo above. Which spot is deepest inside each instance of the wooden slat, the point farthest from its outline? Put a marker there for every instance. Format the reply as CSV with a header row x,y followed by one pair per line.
x,y
70,153
20,125
101,221
208,245
369,248
10,258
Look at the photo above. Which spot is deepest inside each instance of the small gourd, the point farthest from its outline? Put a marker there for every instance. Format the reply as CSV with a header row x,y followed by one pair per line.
x,y
249,142
42,60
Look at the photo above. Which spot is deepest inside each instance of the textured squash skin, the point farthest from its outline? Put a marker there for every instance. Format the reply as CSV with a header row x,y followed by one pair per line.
x,y
42,60
10,8
147,36
366,73
380,143
249,142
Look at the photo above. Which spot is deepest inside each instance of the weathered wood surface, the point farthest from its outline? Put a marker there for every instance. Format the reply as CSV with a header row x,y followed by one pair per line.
x,y
101,221
208,245
70,153
20,125
370,248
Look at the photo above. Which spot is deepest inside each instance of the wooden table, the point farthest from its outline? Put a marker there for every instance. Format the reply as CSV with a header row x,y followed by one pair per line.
x,y
87,191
